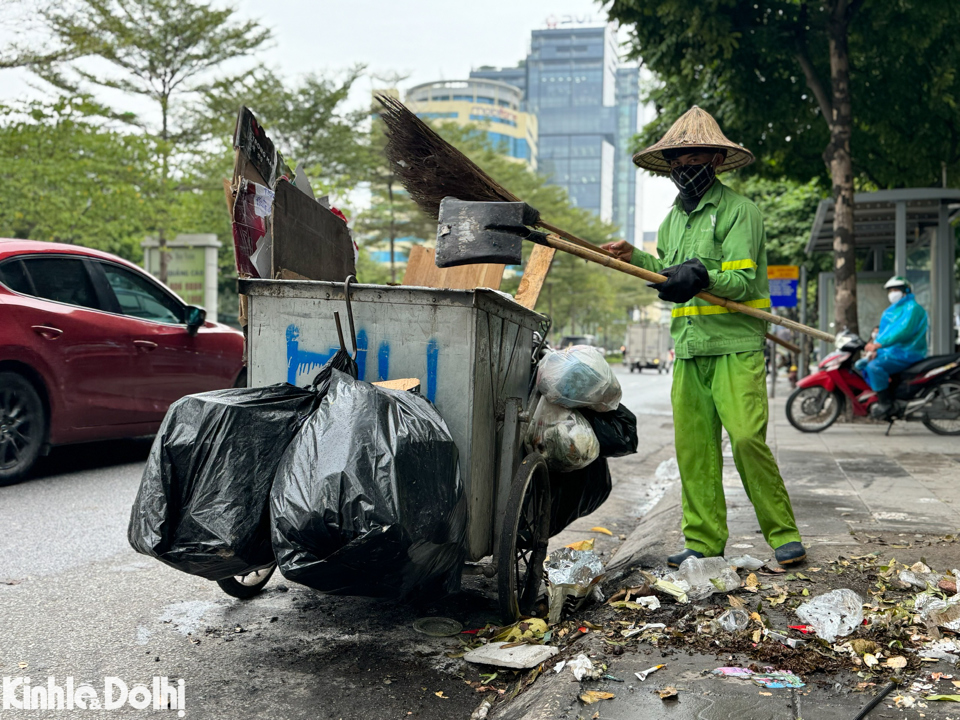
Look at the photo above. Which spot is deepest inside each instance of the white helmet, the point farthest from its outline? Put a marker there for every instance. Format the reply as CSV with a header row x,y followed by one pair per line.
x,y
897,281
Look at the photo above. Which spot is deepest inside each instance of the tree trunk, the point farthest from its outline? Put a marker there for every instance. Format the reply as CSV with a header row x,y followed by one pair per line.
x,y
837,157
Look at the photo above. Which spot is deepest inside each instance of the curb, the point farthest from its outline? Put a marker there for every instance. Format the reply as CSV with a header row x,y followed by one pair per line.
x,y
554,693
658,530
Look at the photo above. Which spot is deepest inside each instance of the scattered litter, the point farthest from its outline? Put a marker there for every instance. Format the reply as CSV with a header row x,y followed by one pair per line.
x,y
702,577
897,662
532,629
601,530
951,698
570,573
805,629
772,680
669,693
582,544
668,470
441,695
783,639
937,612
733,620
641,676
517,657
482,711
437,626
833,614
582,667
747,562
591,696
942,650
650,602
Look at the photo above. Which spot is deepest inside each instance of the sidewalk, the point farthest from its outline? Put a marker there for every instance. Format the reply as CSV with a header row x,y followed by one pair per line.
x,y
855,491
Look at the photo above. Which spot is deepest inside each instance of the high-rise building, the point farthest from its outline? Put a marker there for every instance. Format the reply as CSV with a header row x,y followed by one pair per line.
x,y
491,105
587,108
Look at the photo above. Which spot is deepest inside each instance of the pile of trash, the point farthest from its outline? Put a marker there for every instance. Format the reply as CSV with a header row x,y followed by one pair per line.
x,y
350,488
578,423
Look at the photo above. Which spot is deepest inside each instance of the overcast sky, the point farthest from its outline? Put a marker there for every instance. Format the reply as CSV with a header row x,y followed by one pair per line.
x,y
424,39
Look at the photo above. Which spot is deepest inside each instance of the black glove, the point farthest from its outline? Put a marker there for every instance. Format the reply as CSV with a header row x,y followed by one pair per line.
x,y
683,281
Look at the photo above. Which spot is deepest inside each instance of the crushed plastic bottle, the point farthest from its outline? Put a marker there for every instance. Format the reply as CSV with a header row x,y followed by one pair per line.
x,y
833,614
702,577
733,620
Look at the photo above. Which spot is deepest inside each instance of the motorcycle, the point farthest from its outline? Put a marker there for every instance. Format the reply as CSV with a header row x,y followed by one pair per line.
x,y
928,391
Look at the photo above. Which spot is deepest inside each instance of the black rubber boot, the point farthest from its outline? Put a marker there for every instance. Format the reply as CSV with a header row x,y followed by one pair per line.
x,y
675,560
884,404
791,554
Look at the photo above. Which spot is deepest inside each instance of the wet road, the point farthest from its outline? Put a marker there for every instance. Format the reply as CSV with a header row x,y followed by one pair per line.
x,y
78,602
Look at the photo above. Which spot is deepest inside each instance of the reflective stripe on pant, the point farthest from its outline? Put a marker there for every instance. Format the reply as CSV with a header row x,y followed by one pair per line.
x,y
728,390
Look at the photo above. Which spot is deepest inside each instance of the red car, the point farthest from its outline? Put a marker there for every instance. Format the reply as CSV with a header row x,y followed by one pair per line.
x,y
94,348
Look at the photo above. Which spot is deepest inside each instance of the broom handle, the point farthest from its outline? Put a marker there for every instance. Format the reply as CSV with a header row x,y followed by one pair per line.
x,y
574,239
591,254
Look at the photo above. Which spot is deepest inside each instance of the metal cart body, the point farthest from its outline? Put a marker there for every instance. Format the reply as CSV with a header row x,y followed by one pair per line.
x,y
470,349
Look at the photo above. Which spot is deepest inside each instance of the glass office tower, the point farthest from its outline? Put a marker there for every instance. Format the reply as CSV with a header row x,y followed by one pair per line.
x,y
586,105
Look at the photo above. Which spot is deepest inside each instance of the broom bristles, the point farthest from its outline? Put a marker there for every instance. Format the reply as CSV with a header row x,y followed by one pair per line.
x,y
428,166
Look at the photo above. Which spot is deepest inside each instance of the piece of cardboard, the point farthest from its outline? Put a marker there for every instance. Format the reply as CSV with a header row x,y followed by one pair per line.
x,y
308,239
534,275
422,271
405,384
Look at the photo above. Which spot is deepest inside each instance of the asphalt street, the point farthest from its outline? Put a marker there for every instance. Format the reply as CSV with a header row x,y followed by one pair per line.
x,y
78,602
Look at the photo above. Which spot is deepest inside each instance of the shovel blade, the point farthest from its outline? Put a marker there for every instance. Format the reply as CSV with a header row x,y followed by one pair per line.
x,y
482,232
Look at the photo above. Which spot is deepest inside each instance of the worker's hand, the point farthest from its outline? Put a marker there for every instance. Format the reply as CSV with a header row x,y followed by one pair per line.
x,y
621,249
871,347
683,281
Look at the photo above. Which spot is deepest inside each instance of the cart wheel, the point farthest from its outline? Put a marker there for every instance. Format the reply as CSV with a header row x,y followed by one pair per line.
x,y
247,586
523,540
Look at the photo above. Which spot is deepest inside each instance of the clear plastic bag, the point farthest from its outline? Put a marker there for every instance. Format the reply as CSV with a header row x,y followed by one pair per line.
x,y
578,376
562,436
833,614
702,577
733,620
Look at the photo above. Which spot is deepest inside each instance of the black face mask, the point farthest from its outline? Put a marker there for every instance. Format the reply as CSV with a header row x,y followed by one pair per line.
x,y
693,180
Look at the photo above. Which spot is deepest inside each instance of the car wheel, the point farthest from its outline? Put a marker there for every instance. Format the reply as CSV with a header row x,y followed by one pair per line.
x,y
23,427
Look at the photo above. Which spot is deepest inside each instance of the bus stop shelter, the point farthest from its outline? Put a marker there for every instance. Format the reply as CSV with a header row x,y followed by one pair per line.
x,y
906,232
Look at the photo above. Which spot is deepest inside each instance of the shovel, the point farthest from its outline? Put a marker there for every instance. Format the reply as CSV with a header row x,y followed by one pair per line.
x,y
493,232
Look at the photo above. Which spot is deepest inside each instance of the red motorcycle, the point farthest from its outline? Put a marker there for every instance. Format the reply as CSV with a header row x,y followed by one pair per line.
x,y
928,391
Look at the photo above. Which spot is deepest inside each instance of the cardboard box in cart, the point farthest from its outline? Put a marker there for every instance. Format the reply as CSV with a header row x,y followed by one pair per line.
x,y
470,349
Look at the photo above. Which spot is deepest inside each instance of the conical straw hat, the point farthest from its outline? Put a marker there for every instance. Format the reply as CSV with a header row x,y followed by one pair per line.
x,y
695,128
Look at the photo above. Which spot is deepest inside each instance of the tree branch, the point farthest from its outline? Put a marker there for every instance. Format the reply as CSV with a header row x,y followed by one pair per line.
x,y
816,87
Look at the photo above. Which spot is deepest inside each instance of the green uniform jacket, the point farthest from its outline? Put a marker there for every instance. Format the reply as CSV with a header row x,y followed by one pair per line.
x,y
726,233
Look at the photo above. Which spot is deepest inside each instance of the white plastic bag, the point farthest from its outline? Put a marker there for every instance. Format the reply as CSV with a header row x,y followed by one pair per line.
x,y
833,614
578,376
562,436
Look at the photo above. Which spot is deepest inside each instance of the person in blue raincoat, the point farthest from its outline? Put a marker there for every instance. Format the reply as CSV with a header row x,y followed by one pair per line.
x,y
901,342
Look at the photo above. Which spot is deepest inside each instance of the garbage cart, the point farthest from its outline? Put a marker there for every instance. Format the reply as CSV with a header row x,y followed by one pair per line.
x,y
473,352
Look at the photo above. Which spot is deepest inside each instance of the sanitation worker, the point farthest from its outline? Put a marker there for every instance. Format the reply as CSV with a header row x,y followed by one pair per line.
x,y
901,341
713,240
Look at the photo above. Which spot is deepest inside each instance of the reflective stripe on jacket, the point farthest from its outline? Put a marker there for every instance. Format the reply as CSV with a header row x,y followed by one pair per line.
x,y
726,233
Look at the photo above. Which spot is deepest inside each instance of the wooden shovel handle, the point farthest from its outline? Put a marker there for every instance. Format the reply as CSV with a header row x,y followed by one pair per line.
x,y
601,258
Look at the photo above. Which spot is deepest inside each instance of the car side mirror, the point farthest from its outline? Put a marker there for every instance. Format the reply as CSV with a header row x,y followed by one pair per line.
x,y
195,318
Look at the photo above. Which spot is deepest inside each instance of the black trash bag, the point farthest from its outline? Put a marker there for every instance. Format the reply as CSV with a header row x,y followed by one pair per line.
x,y
203,505
368,499
616,431
578,493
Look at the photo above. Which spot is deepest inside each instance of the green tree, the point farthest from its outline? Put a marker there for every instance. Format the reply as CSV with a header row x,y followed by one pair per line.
x,y
160,52
862,89
76,181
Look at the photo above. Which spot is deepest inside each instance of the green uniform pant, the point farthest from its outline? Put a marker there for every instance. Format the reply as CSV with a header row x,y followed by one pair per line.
x,y
728,390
